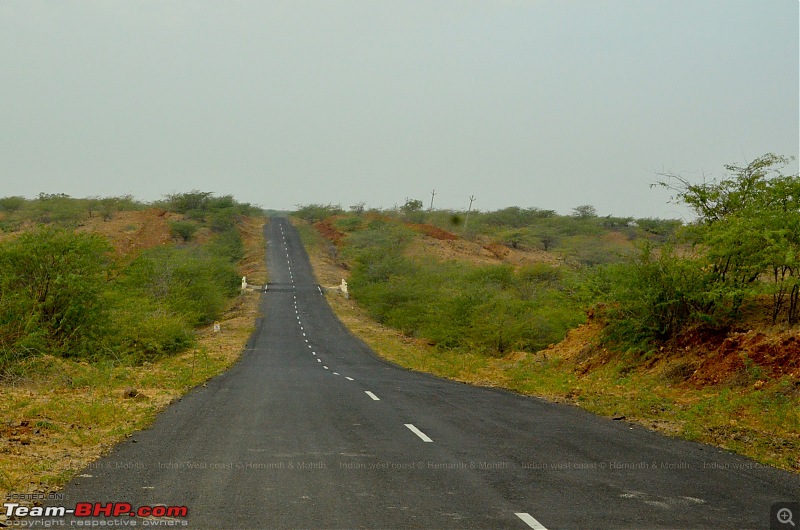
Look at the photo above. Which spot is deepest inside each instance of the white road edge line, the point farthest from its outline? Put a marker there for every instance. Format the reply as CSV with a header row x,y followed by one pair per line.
x,y
422,435
374,397
530,521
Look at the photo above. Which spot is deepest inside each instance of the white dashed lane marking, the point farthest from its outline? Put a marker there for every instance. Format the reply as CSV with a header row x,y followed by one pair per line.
x,y
349,378
422,435
530,521
373,396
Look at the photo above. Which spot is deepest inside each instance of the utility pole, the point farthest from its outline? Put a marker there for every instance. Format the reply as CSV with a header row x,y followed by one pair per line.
x,y
466,219
433,194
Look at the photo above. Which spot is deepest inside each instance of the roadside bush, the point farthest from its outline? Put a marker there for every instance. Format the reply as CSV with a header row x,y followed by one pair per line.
x,y
143,329
223,220
62,294
314,213
490,309
51,285
187,281
228,245
653,297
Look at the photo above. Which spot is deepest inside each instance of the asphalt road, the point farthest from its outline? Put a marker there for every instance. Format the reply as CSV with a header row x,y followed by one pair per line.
x,y
312,430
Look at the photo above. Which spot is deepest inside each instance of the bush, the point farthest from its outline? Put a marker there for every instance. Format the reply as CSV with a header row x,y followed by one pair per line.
x,y
491,309
652,298
12,204
51,285
315,213
348,224
187,281
60,292
59,209
228,245
185,203
143,330
183,230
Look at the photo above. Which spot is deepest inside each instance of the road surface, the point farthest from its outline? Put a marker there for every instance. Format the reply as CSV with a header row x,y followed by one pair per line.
x,y
310,429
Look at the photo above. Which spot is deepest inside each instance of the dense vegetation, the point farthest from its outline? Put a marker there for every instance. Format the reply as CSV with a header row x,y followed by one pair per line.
x,y
59,209
462,306
492,309
741,254
647,279
66,293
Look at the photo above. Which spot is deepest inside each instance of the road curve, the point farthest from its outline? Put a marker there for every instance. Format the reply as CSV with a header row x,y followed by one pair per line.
x,y
310,429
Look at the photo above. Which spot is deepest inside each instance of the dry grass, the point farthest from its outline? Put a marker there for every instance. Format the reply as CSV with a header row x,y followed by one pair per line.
x,y
480,252
61,415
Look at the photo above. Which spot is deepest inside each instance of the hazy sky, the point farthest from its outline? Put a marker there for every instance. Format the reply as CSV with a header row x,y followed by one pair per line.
x,y
540,103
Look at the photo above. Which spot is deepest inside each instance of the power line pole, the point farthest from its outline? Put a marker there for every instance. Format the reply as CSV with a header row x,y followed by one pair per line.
x,y
433,194
466,219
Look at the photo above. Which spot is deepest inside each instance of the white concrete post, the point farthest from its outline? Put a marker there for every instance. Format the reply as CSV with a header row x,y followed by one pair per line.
x,y
244,283
344,289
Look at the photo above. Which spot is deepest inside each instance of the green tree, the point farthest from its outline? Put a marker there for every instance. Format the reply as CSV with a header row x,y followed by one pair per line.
x,y
585,211
748,225
412,205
